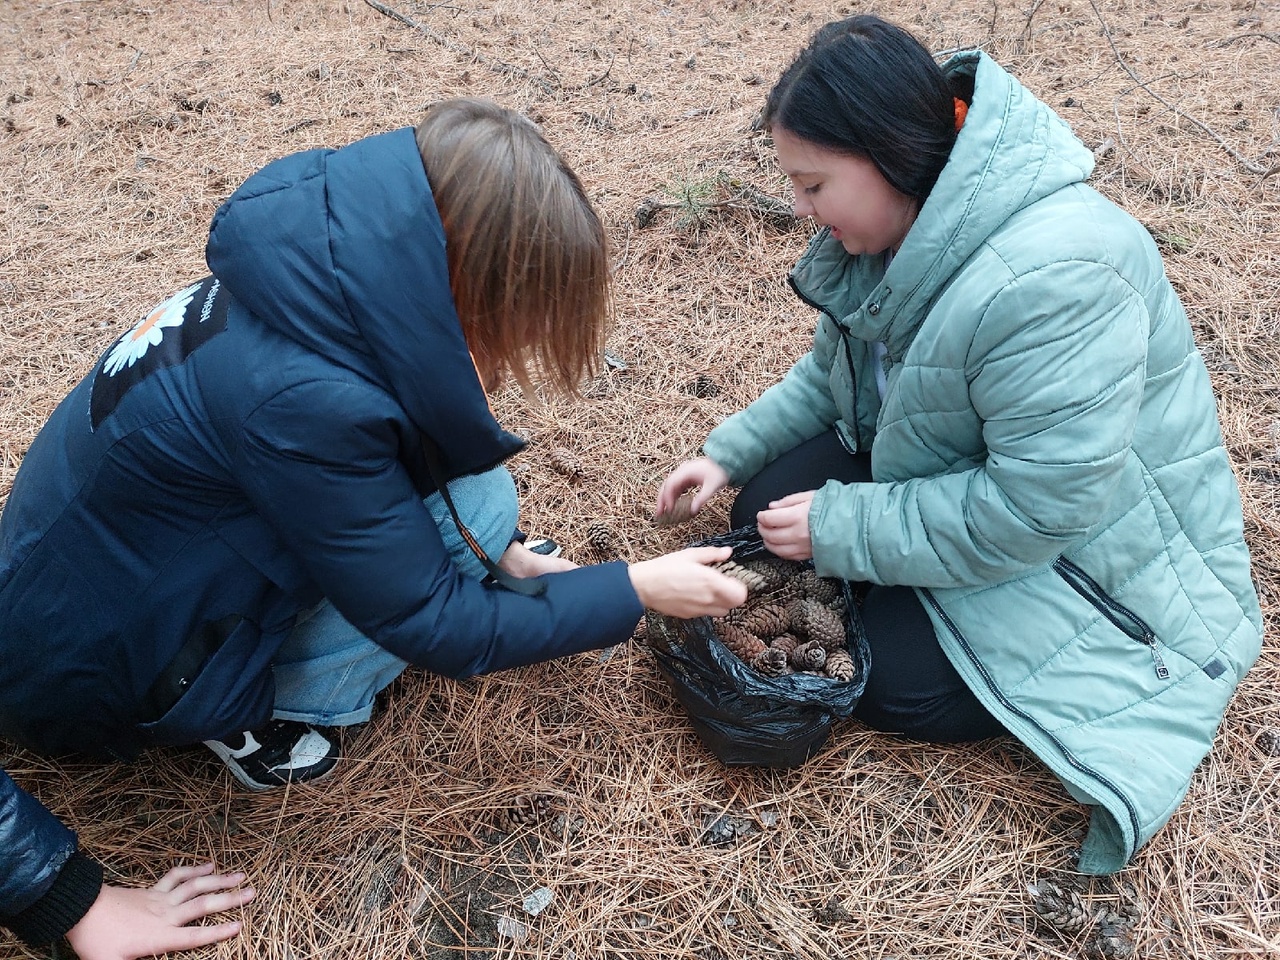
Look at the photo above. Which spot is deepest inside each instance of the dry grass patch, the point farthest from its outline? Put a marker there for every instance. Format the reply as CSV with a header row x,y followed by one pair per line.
x,y
124,125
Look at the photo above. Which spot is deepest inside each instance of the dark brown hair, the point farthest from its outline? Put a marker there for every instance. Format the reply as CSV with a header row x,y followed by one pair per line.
x,y
868,88
528,256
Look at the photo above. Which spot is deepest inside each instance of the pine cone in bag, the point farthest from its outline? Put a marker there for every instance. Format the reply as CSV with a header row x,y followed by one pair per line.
x,y
787,592
808,657
786,642
774,570
822,589
741,643
765,619
754,581
812,620
772,663
839,666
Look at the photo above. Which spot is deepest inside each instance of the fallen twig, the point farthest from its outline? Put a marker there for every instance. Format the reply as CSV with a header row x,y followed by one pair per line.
x,y
1227,41
293,128
1244,161
494,64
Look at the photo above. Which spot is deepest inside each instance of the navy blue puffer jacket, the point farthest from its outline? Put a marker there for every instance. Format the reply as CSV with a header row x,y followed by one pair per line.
x,y
253,445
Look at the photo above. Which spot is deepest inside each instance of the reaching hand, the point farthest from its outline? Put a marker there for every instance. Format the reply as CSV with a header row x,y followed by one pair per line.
x,y
519,561
784,527
701,472
682,585
125,924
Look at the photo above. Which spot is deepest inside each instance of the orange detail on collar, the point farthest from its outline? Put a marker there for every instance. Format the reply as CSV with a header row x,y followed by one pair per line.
x,y
962,111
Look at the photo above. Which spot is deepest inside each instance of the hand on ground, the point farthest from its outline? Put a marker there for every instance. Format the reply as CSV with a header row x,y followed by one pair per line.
x,y
784,527
702,472
682,585
125,924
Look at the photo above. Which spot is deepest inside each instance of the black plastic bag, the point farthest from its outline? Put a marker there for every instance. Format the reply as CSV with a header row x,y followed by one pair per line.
x,y
743,717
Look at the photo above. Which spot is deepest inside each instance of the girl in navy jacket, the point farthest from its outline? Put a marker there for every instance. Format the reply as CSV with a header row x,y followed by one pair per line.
x,y
233,529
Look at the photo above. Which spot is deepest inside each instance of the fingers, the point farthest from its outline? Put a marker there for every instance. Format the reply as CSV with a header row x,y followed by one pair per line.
x,y
207,883
776,520
703,497
785,530
208,904
179,875
705,555
730,592
189,938
678,481
701,472
804,496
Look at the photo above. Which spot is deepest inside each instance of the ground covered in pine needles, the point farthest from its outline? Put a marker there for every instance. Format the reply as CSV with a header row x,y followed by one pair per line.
x,y
566,810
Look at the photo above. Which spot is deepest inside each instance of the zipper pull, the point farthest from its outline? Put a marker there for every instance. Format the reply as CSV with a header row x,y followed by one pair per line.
x,y
1162,672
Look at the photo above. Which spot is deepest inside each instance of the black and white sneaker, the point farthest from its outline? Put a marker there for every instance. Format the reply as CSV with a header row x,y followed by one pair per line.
x,y
284,751
542,545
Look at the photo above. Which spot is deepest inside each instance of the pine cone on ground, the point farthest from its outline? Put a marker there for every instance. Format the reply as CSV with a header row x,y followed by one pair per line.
x,y
808,656
772,663
528,808
741,643
823,589
1268,742
812,620
765,619
786,642
565,462
1061,909
1112,941
839,666
754,581
601,539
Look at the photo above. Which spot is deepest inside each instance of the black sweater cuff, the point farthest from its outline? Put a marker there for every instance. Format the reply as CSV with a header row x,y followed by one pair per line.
x,y
63,905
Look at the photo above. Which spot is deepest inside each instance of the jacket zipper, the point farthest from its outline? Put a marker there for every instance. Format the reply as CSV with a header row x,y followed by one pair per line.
x,y
1008,705
848,356
1121,616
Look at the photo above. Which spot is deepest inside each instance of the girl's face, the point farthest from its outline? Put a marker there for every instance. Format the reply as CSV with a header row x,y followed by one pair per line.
x,y
848,194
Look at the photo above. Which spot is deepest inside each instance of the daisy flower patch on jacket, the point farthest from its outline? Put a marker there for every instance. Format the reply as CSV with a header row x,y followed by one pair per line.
x,y
166,336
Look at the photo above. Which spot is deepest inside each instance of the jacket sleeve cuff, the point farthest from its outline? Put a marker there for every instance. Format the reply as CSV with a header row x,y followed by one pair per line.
x,y
63,905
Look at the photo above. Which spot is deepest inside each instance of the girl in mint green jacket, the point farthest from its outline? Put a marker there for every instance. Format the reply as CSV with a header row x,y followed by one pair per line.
x,y
1003,430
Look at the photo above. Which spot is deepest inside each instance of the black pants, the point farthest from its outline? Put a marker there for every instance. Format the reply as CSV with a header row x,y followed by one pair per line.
x,y
912,689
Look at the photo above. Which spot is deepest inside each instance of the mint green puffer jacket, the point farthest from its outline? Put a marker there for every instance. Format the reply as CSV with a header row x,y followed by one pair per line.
x,y
1049,471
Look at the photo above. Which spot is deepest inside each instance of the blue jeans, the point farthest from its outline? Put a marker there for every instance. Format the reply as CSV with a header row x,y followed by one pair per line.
x,y
327,672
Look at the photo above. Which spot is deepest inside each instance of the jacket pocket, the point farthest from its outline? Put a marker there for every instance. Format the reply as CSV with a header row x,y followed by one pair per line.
x,y
1124,619
232,690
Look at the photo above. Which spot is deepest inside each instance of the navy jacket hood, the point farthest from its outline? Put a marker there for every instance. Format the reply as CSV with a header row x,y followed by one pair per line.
x,y
305,241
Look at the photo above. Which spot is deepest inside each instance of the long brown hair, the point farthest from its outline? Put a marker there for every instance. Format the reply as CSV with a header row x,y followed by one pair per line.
x,y
528,256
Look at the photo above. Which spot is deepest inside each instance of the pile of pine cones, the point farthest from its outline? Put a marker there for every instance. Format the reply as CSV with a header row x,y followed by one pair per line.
x,y
793,621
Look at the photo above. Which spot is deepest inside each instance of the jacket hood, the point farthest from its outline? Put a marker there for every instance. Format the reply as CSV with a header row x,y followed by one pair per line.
x,y
343,251
1011,152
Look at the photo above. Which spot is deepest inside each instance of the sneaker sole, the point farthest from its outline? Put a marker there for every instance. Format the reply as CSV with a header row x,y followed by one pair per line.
x,y
539,545
237,771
